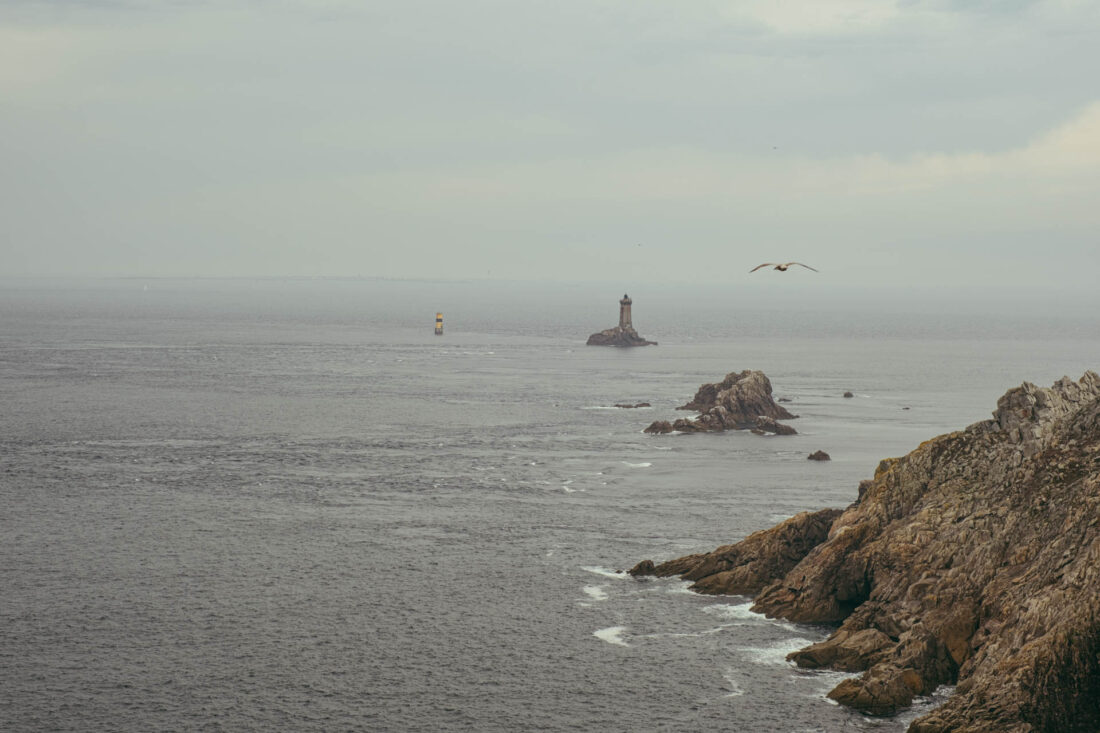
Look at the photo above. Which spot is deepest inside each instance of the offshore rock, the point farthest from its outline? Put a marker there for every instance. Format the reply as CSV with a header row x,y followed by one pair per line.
x,y
618,336
973,560
819,455
741,401
770,425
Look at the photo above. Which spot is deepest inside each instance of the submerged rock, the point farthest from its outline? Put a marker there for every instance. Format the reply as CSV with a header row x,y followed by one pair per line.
x,y
974,560
741,401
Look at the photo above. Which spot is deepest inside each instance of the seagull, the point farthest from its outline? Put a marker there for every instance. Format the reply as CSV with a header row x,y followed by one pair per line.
x,y
782,266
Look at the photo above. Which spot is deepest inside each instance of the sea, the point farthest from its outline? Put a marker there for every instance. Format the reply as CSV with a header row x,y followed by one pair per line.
x,y
286,504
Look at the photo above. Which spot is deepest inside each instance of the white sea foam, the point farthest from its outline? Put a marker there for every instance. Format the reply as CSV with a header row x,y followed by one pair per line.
x,y
599,407
612,635
682,587
738,612
636,465
735,688
595,592
605,572
776,654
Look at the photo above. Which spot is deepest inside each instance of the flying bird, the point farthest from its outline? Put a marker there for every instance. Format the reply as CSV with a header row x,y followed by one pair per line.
x,y
782,266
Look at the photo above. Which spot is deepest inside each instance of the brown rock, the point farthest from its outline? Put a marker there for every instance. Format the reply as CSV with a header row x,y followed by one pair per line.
x,y
741,401
818,455
769,425
974,560
847,651
761,558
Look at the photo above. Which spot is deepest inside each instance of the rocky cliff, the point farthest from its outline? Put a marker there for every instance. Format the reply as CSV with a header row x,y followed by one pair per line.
x,y
973,560
741,401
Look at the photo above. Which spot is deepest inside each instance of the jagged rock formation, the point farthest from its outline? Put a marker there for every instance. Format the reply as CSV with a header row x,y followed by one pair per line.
x,y
974,560
741,401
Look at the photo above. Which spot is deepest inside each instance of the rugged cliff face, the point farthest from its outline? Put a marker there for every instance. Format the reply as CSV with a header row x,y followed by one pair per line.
x,y
973,560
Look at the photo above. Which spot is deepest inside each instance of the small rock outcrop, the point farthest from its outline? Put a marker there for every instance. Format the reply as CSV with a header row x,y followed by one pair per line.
x,y
618,337
623,334
974,560
626,406
741,401
818,455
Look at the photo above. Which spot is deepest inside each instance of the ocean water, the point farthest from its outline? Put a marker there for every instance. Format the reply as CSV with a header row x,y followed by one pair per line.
x,y
287,505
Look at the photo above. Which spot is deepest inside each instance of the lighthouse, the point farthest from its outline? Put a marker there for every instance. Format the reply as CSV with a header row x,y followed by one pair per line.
x,y
624,312
623,334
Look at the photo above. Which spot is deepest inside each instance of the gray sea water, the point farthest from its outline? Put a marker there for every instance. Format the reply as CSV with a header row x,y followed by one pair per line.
x,y
286,505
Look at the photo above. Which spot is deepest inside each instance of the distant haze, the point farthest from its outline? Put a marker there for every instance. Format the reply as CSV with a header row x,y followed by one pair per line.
x,y
915,144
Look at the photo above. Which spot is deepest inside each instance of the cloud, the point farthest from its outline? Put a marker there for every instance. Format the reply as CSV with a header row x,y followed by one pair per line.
x,y
813,17
215,137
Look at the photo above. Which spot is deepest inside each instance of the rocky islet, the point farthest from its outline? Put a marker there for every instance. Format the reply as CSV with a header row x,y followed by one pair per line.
x,y
741,401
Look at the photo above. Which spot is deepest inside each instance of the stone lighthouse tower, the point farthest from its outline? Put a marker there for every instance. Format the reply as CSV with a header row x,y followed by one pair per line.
x,y
623,334
624,312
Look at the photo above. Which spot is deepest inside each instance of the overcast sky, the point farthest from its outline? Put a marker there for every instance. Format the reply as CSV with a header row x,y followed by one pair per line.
x,y
894,143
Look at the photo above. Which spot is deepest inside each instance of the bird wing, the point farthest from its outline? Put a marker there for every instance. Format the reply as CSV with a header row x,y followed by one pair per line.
x,y
766,264
806,266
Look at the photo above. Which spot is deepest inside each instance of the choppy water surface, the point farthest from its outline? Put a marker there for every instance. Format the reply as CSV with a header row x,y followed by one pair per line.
x,y
282,505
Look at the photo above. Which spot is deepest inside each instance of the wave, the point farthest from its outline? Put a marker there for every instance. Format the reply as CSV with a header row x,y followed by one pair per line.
x,y
646,464
612,635
595,592
776,654
739,612
735,688
605,572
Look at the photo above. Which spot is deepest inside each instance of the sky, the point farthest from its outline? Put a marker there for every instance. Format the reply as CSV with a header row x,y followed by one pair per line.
x,y
941,144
